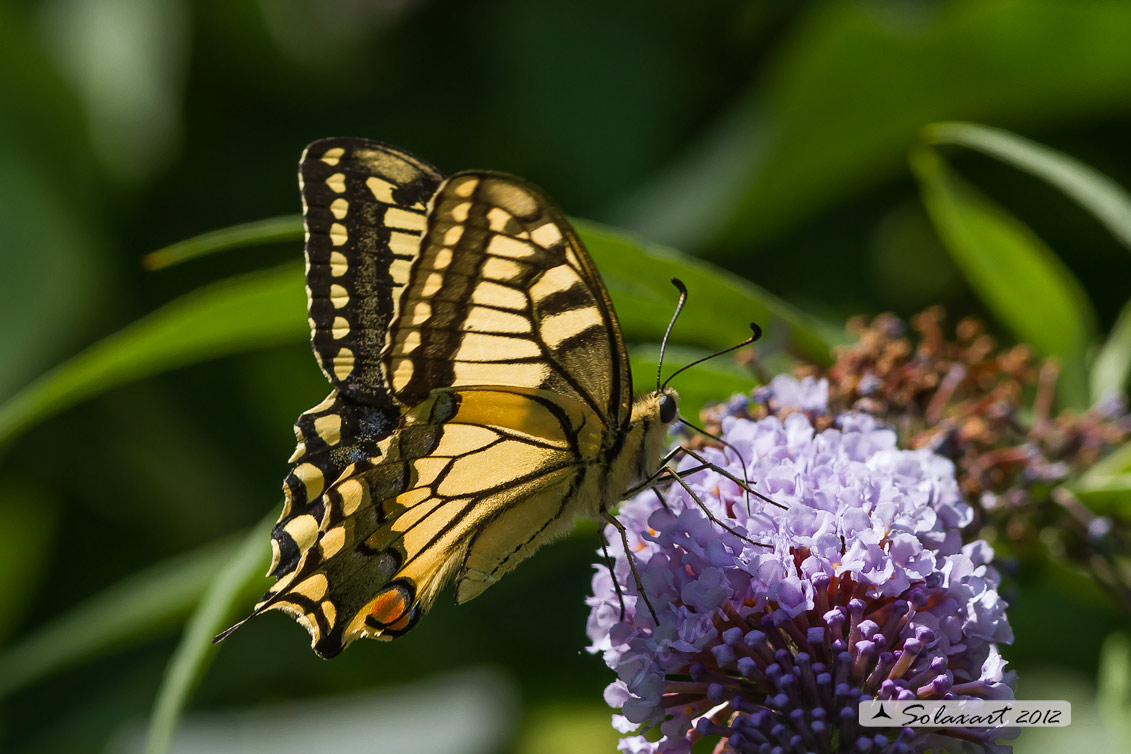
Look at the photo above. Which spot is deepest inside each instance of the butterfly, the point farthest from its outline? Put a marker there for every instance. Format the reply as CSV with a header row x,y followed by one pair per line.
x,y
482,396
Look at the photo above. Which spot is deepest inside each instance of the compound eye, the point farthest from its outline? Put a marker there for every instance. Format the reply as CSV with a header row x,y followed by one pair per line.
x,y
668,409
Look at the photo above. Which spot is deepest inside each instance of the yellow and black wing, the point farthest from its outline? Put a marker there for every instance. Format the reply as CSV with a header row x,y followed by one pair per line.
x,y
480,370
364,206
503,293
472,482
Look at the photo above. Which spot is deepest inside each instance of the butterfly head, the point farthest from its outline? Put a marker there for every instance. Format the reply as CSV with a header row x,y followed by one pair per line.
x,y
668,405
653,415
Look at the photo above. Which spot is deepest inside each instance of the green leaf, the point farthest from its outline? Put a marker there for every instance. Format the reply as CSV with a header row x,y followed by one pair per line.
x,y
1092,190
266,308
1106,472
1112,366
142,605
719,307
1014,273
637,275
1045,679
240,576
272,230
239,314
52,209
566,727
43,232
1113,695
1109,495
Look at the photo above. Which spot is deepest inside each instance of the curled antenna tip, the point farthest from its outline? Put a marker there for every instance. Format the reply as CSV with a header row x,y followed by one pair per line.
x,y
755,333
664,343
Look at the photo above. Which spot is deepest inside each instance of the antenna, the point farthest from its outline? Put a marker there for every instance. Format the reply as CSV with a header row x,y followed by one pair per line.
x,y
756,332
664,343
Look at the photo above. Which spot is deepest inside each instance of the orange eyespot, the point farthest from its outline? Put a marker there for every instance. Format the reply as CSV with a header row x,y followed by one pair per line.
x,y
401,624
389,606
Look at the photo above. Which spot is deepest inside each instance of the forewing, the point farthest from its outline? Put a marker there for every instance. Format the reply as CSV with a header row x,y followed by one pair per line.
x,y
465,464
503,293
364,205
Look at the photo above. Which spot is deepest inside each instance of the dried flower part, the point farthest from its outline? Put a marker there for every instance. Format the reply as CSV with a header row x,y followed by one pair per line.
x,y
985,408
858,587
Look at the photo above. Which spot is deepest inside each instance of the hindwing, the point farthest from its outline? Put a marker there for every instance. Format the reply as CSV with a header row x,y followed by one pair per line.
x,y
471,483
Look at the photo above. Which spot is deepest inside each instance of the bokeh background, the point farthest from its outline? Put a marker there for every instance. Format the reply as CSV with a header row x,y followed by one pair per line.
x,y
771,138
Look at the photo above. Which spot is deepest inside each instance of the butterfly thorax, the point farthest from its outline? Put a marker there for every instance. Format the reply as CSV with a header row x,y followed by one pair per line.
x,y
635,453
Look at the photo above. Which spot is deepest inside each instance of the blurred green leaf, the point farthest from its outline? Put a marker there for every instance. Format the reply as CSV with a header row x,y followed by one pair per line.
x,y
1014,273
271,230
1105,496
1113,695
719,306
55,258
567,728
850,88
1112,366
141,605
1094,191
242,313
479,710
1087,733
1106,471
265,308
638,277
239,576
52,263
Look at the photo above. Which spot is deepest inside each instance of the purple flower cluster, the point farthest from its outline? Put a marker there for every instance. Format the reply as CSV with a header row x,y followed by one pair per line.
x,y
859,587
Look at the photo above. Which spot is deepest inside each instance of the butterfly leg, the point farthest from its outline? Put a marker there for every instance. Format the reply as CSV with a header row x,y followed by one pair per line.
x,y
654,477
699,501
745,485
631,561
612,572
703,464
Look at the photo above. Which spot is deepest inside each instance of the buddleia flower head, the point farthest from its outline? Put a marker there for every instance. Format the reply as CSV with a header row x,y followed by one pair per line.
x,y
990,410
771,633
